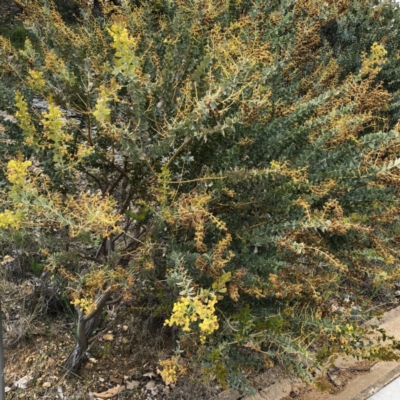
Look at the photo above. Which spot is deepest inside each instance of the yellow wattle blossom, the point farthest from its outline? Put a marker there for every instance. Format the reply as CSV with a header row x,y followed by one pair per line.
x,y
53,124
171,369
16,171
24,119
53,121
125,60
57,66
373,64
106,93
28,51
83,151
9,219
86,305
102,111
187,310
36,80
275,165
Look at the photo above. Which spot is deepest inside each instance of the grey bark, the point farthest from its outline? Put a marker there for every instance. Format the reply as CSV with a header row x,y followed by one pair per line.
x,y
86,326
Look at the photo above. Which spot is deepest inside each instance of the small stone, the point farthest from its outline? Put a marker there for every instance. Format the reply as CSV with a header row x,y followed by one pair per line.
x,y
116,379
46,385
150,384
108,337
150,375
132,385
154,391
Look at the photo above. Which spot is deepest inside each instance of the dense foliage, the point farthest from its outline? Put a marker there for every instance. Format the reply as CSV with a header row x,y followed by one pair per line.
x,y
234,160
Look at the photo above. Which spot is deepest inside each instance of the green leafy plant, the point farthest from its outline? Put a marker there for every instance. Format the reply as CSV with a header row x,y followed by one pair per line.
x,y
221,152
36,267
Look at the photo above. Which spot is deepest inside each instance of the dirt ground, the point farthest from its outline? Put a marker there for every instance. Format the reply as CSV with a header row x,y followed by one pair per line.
x,y
125,353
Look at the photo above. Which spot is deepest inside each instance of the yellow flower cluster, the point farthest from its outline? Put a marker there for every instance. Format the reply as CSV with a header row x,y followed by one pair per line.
x,y
83,151
53,124
187,310
102,111
36,80
16,171
86,305
283,169
125,59
53,120
106,93
171,369
28,51
373,64
9,219
24,119
57,66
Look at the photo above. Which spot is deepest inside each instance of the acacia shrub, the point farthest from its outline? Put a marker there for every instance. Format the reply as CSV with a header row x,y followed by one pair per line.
x,y
216,155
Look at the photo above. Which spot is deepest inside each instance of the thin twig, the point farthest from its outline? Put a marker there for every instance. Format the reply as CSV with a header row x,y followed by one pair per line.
x,y
353,369
111,188
96,260
111,302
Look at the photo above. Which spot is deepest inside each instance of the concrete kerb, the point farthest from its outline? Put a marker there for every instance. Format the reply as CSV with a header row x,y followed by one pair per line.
x,y
366,385
389,377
